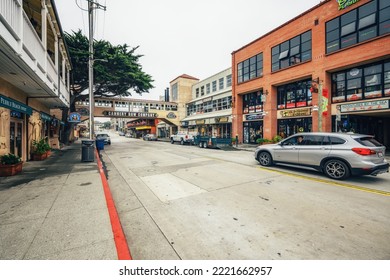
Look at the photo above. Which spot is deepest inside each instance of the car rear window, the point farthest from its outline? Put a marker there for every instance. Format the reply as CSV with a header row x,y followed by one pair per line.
x,y
368,142
336,140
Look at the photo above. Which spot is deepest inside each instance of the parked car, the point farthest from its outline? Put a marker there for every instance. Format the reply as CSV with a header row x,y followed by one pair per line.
x,y
121,133
150,137
338,155
128,135
105,137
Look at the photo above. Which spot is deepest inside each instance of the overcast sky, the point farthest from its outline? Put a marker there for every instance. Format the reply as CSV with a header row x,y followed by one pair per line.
x,y
180,36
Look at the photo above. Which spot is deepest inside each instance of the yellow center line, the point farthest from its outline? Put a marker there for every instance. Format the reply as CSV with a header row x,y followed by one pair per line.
x,y
344,185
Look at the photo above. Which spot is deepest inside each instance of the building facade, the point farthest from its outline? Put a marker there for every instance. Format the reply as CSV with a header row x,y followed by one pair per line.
x,y
34,75
181,93
209,113
327,69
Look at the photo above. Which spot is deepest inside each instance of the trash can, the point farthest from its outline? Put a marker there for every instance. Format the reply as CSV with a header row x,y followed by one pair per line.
x,y
87,150
100,144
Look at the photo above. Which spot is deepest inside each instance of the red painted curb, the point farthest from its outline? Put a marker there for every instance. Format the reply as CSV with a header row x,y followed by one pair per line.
x,y
122,247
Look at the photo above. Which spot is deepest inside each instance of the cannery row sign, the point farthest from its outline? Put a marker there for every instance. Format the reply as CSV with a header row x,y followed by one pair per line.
x,y
129,114
365,106
346,3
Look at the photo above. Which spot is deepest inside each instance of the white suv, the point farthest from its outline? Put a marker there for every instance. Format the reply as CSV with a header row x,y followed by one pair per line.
x,y
338,155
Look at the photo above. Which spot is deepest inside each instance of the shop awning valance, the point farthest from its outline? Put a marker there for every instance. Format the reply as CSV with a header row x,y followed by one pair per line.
x,y
15,105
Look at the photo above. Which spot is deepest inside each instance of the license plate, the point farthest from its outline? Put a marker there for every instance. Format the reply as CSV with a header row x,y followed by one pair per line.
x,y
380,154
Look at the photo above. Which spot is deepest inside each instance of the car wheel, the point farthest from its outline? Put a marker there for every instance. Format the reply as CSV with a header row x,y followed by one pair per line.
x,y
181,142
200,144
204,145
172,141
336,169
265,159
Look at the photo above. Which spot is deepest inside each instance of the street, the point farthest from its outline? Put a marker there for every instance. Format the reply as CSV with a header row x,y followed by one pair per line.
x,y
184,202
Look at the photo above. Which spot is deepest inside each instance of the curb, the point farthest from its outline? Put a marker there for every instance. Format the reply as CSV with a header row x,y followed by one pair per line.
x,y
122,247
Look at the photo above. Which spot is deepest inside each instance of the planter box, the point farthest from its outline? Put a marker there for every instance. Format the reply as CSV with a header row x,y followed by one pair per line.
x,y
38,157
10,169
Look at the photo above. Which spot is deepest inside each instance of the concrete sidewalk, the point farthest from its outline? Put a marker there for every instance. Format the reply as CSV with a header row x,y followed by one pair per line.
x,y
55,209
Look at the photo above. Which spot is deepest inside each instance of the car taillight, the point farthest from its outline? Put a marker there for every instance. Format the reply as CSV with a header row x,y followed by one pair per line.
x,y
364,151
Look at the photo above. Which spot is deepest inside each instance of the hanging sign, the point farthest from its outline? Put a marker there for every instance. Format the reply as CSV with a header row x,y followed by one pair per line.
x,y
15,105
74,117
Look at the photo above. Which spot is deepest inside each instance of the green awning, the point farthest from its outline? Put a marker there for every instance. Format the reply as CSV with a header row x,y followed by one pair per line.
x,y
15,105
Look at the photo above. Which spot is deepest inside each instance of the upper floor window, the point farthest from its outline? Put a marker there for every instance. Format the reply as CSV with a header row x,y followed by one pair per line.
x,y
252,102
214,86
229,80
208,88
202,90
197,92
361,24
221,83
174,92
293,51
250,68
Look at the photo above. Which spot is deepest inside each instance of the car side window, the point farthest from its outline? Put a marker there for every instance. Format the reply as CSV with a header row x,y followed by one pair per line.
x,y
326,141
311,140
291,141
336,140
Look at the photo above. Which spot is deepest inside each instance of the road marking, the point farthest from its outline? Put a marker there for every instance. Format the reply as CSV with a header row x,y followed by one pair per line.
x,y
339,184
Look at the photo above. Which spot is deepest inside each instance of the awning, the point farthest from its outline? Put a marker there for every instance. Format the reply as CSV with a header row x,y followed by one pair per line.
x,y
143,127
15,105
45,117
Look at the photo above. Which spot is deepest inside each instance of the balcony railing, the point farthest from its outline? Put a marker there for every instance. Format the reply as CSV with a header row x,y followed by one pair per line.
x,y
21,36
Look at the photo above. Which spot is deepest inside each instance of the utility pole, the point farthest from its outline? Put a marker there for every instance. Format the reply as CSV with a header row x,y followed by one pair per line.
x,y
91,6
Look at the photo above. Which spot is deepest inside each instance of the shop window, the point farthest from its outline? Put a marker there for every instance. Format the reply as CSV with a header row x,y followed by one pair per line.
x,y
252,102
361,83
295,95
289,127
359,25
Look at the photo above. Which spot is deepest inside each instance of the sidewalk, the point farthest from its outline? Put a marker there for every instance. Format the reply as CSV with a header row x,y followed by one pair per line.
x,y
55,209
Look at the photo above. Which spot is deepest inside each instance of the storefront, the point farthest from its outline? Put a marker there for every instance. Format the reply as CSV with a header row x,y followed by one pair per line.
x,y
13,117
253,128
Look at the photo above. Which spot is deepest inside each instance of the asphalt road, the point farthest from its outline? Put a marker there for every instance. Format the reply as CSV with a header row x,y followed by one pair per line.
x,y
183,202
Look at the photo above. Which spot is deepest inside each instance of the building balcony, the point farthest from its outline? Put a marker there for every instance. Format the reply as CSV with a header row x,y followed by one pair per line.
x,y
33,56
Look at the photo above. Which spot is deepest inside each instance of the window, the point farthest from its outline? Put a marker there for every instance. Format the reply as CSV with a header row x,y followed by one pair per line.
x,y
202,90
252,102
361,24
229,80
295,95
208,88
174,92
250,69
291,52
366,82
221,83
197,92
214,86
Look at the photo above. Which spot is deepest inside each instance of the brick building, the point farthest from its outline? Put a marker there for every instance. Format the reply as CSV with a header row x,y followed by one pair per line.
x,y
327,69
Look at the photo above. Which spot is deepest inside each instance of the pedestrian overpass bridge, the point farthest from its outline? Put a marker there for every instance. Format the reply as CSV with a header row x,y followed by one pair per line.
x,y
132,109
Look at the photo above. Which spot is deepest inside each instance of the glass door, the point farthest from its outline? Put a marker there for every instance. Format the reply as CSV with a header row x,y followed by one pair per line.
x,y
16,131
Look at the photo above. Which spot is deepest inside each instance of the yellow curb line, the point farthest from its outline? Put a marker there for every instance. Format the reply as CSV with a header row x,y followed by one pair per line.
x,y
385,193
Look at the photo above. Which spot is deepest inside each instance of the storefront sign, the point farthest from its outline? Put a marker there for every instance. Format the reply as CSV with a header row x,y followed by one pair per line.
x,y
15,105
45,117
200,122
221,120
74,117
365,106
346,3
253,117
295,113
130,114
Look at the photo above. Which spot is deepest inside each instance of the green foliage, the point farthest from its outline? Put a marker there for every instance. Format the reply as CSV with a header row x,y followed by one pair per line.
x,y
263,141
277,138
41,146
10,159
120,71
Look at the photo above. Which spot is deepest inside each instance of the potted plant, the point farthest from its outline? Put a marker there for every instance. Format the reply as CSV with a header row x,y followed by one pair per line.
x,y
262,141
10,165
40,149
277,138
